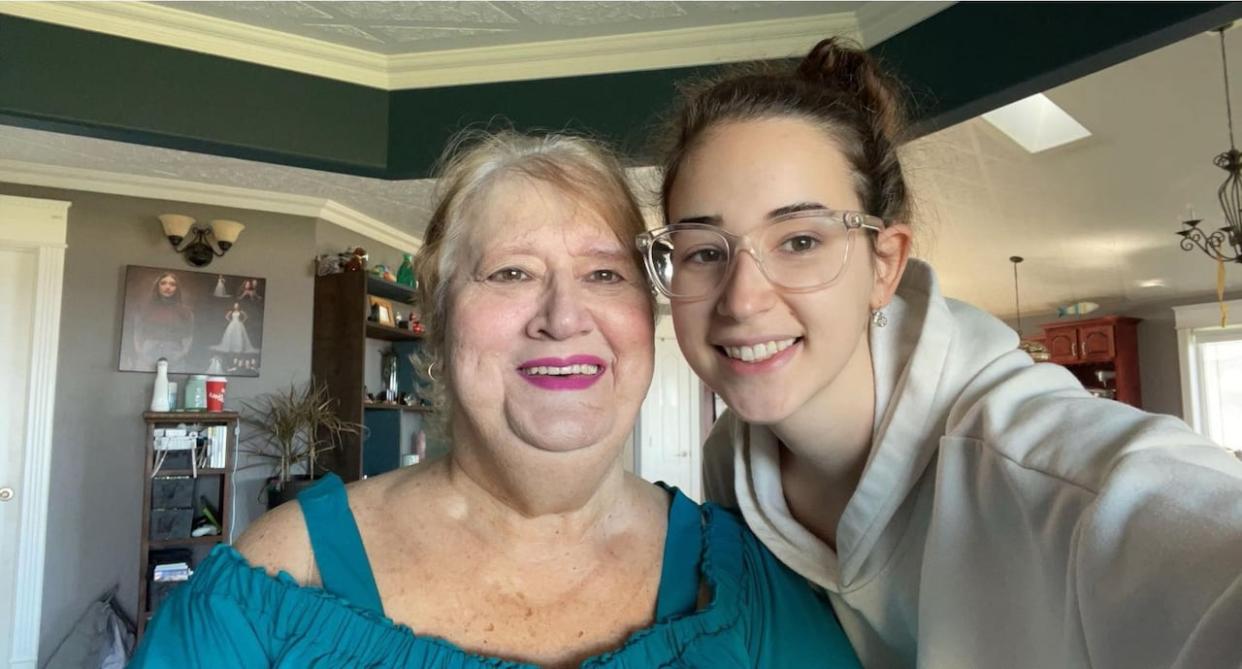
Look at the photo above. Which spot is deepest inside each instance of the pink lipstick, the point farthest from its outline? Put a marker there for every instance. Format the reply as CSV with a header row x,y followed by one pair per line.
x,y
576,372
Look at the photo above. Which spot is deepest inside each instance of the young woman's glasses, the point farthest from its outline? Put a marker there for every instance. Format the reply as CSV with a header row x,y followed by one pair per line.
x,y
799,252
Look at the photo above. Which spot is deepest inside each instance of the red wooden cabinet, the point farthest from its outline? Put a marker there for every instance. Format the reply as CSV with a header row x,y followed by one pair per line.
x,y
1100,348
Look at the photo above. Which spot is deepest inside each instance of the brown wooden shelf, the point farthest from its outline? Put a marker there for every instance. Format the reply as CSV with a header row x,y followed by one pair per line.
x,y
217,486
189,416
389,290
389,333
192,541
395,407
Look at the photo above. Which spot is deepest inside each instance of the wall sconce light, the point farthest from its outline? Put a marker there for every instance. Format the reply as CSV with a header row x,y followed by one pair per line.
x,y
200,250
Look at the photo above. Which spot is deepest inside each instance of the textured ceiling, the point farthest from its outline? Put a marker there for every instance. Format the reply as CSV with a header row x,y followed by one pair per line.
x,y
1094,219
410,27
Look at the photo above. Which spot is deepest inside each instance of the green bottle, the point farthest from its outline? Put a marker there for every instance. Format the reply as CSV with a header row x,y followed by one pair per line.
x,y
405,274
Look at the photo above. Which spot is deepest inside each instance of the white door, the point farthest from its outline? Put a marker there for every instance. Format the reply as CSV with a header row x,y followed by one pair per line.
x,y
32,241
17,281
670,426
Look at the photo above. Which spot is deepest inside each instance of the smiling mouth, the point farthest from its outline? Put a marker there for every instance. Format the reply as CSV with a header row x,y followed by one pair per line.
x,y
757,352
567,370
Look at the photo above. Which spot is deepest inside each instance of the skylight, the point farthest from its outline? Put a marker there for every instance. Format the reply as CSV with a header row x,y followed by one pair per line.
x,y
1037,123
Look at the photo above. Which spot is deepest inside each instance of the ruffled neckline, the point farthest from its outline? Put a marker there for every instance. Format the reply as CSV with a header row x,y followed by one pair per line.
x,y
287,609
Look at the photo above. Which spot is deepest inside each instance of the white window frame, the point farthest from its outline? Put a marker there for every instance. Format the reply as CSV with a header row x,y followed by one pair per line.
x,y
1200,324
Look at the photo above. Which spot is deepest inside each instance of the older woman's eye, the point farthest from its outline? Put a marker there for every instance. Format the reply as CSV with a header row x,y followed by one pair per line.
x,y
508,275
606,276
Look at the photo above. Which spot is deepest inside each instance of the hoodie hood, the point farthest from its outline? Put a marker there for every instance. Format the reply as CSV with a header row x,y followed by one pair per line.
x,y
923,361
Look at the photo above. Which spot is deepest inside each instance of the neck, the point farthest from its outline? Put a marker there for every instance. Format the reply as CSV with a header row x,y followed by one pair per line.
x,y
528,496
825,444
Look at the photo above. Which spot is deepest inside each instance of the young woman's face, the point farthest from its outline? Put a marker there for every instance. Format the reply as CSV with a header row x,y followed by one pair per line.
x,y
766,351
168,286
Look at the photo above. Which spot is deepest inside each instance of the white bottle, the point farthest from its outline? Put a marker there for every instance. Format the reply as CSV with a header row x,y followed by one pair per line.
x,y
159,396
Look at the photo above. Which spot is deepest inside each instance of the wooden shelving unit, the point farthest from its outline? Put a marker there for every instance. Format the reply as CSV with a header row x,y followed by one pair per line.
x,y
215,483
338,359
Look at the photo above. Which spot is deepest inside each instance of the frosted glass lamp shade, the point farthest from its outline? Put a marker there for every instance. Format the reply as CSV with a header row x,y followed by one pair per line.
x,y
226,232
176,225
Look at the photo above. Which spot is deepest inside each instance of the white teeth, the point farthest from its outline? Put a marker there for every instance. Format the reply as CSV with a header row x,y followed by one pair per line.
x,y
758,352
589,370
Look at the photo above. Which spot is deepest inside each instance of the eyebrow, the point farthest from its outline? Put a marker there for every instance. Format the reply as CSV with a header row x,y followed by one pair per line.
x,y
779,212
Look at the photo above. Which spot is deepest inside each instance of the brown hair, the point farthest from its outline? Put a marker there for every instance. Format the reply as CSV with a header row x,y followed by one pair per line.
x,y
472,164
838,87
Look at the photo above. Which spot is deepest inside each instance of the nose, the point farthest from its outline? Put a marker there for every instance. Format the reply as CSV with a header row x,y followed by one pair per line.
x,y
562,312
747,291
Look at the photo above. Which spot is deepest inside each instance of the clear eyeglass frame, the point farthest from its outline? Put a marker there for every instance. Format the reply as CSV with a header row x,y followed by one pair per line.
x,y
738,244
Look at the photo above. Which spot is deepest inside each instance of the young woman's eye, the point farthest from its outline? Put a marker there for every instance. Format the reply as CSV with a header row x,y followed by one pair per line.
x,y
800,244
606,276
704,256
508,275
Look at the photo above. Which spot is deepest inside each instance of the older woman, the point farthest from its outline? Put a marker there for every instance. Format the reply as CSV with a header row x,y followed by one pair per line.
x,y
529,542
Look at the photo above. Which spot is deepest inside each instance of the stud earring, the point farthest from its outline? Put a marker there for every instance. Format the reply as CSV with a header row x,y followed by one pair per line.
x,y
878,318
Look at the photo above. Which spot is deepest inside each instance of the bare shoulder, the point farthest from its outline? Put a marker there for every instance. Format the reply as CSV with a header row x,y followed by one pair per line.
x,y
278,541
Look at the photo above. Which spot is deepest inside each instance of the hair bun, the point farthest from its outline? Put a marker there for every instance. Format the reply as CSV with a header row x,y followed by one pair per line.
x,y
843,65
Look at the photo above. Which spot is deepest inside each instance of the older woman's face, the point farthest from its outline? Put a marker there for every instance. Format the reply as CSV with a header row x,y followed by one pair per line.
x,y
549,324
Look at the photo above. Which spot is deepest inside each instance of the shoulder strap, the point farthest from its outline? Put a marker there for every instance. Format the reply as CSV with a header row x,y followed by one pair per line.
x,y
683,548
339,554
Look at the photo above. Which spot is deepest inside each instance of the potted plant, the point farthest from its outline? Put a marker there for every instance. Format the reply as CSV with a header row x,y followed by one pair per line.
x,y
291,430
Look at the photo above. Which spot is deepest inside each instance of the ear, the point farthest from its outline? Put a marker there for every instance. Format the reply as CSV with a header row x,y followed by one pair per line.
x,y
892,250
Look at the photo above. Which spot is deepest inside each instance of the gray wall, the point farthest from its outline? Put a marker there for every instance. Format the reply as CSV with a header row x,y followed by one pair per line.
x,y
94,514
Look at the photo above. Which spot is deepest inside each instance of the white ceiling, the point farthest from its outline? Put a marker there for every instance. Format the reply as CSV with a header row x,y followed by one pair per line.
x,y
412,44
1093,219
1096,218
409,27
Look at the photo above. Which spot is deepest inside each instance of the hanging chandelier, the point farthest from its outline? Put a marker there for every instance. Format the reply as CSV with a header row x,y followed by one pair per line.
x,y
1036,350
1224,244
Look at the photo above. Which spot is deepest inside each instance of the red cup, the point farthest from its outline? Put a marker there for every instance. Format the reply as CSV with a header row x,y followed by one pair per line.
x,y
215,393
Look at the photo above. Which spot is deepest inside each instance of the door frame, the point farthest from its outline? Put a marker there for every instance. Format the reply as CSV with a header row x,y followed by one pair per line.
x,y
40,225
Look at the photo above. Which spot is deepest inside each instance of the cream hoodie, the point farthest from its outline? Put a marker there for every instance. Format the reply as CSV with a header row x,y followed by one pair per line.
x,y
1006,518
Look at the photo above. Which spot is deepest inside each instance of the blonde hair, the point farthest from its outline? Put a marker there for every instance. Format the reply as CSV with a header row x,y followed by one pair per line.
x,y
472,165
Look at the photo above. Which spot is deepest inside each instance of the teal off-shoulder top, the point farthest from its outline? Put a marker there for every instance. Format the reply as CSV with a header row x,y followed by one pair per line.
x,y
233,614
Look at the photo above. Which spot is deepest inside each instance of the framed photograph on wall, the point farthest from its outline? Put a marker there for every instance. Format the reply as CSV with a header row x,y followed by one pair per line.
x,y
382,311
201,322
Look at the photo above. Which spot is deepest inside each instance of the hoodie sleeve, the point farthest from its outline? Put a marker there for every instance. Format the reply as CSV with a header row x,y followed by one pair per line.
x,y
1157,561
718,463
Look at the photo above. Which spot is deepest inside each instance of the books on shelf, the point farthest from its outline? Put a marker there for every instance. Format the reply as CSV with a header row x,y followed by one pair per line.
x,y
173,571
216,442
205,448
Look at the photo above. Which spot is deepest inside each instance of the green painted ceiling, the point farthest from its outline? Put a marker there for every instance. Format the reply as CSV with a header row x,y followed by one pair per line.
x,y
960,62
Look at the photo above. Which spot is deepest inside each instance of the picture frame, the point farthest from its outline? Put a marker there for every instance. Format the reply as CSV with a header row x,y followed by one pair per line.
x,y
199,322
383,310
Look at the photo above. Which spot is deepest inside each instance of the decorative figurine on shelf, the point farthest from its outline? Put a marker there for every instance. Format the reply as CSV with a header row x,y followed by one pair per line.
x,y
388,367
382,272
405,273
358,261
328,263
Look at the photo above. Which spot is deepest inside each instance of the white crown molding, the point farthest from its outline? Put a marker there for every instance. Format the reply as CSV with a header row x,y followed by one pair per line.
x,y
162,25
160,188
879,21
685,47
158,24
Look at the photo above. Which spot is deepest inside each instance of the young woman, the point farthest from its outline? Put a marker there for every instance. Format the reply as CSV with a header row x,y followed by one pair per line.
x,y
962,506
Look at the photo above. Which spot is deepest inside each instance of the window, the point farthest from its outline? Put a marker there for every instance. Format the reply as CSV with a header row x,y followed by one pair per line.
x,y
1211,362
